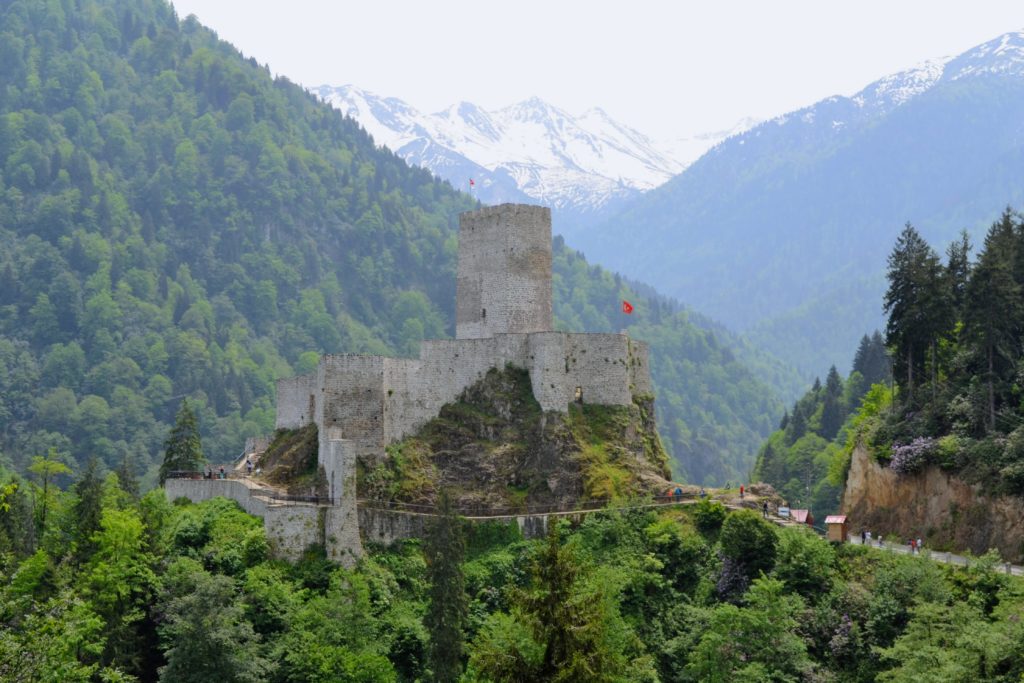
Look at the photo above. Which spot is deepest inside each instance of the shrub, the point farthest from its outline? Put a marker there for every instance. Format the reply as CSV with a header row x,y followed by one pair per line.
x,y
912,457
709,515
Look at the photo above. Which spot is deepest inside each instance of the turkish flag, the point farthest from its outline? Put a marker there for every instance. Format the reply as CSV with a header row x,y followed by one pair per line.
x,y
627,307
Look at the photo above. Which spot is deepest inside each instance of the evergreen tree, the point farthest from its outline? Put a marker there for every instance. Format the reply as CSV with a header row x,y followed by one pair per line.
x,y
87,510
832,413
570,619
126,478
958,271
993,308
860,358
183,450
797,426
916,305
879,365
448,609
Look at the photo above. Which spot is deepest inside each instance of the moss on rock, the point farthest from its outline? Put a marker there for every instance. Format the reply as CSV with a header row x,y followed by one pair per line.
x,y
495,448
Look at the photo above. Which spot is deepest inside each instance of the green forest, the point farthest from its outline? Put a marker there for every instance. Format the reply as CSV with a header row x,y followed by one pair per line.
x,y
176,222
954,396
100,584
805,459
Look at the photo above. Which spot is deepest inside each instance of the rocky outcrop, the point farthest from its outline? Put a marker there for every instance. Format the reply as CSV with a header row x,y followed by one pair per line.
x,y
945,511
495,447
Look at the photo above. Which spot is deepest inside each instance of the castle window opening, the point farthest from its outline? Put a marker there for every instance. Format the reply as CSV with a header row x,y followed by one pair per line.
x,y
483,313
579,394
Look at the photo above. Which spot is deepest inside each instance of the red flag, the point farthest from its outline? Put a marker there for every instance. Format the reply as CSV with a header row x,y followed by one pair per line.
x,y
471,183
627,307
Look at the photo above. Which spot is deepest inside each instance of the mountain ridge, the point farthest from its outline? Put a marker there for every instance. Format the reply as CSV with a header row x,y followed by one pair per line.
x,y
528,151
781,218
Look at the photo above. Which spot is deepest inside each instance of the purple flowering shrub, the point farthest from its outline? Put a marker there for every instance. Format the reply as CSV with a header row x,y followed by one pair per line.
x,y
911,457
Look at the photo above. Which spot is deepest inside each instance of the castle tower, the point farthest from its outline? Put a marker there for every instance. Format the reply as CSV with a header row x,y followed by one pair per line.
x,y
504,274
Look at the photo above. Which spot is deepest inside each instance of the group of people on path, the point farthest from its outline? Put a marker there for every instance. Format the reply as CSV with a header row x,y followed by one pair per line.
x,y
209,473
915,544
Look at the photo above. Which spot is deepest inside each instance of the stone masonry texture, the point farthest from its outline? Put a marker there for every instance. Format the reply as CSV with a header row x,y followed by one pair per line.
x,y
504,273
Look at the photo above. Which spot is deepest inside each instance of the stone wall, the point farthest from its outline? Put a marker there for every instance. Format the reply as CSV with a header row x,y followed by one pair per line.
x,y
596,364
640,369
503,283
351,398
296,397
291,528
374,401
384,527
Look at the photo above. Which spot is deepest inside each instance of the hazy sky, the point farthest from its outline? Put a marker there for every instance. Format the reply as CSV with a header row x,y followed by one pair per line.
x,y
665,68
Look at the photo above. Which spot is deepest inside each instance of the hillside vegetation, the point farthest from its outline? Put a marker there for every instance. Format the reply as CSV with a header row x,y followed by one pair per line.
x,y
954,330
108,586
174,222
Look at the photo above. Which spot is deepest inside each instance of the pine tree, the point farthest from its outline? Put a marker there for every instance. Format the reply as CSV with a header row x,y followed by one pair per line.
x,y
917,306
448,610
126,478
958,272
87,510
879,366
797,426
993,308
860,359
832,413
183,450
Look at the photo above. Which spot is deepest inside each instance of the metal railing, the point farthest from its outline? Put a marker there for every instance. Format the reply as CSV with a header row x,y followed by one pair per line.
x,y
254,488
516,510
215,473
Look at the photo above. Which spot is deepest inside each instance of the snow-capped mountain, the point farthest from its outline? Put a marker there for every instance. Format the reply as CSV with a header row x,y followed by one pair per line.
x,y
782,231
527,151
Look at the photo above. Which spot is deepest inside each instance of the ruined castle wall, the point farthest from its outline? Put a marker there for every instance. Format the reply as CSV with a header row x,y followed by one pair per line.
x,y
294,409
351,399
290,529
340,521
640,368
599,364
416,390
504,271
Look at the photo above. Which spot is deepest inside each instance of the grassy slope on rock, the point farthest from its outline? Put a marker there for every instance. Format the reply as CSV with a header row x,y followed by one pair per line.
x,y
291,461
494,447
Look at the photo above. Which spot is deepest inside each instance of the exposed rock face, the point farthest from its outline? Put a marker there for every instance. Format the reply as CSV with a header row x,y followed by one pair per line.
x,y
496,448
944,511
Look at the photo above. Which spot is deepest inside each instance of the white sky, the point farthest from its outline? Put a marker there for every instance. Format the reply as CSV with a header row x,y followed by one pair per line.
x,y
667,68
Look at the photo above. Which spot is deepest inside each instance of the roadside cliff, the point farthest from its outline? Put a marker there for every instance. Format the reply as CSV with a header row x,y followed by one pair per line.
x,y
948,513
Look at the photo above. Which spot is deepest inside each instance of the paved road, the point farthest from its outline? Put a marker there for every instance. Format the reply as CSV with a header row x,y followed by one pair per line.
x,y
936,555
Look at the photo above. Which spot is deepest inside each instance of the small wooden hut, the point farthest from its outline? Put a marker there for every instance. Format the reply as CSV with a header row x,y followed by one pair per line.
x,y
836,528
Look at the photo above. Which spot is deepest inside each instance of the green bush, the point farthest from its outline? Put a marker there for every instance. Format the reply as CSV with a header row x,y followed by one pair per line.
x,y
709,515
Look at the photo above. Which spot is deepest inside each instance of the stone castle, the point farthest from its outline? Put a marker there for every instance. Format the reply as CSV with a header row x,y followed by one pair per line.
x,y
503,317
361,404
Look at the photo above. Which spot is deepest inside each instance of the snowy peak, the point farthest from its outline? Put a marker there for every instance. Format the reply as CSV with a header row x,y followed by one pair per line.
x,y
532,148
1003,55
892,91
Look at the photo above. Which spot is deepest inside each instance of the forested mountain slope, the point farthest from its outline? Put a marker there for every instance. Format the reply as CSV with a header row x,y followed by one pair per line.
x,y
175,222
947,402
781,231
